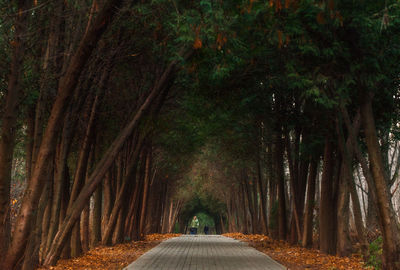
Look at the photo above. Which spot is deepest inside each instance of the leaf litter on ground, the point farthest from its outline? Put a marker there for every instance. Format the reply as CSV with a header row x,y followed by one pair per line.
x,y
111,257
296,257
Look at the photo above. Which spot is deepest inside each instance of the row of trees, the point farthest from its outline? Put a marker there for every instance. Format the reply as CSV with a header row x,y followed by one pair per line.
x,y
84,97
302,107
115,100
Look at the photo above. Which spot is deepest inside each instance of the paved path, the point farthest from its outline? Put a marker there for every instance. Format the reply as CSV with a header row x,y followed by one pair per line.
x,y
211,252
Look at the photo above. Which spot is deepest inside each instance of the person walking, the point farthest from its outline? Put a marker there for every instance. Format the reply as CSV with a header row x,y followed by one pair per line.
x,y
194,225
206,229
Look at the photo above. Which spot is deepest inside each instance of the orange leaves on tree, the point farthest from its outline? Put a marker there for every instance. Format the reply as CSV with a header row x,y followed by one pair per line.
x,y
287,41
339,17
321,18
96,6
13,43
250,6
287,3
197,41
280,39
192,68
331,5
221,40
278,5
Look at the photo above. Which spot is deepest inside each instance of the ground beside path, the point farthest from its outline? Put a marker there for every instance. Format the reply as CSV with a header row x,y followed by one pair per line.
x,y
295,258
111,258
204,252
298,258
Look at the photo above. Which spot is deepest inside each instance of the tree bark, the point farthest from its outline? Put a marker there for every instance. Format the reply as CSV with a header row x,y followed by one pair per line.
x,y
347,151
95,232
130,174
8,127
66,87
390,231
327,220
343,247
263,199
31,256
280,176
146,184
310,203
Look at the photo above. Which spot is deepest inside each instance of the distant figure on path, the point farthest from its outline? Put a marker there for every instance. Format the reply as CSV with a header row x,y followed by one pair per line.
x,y
194,225
206,229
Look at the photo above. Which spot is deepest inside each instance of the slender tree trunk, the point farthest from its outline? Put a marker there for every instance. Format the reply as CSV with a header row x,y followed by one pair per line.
x,y
104,164
280,176
243,206
327,220
348,155
131,171
95,232
295,230
66,252
118,235
343,247
250,202
263,199
272,190
60,179
66,87
146,184
8,127
390,231
310,204
77,247
31,256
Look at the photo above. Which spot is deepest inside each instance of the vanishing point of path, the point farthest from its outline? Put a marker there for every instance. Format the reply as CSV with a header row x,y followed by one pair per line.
x,y
208,252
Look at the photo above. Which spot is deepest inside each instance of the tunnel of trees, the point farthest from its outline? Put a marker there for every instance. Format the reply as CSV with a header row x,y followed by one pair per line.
x,y
123,118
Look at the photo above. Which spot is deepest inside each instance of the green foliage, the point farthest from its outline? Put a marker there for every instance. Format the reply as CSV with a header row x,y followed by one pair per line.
x,y
375,251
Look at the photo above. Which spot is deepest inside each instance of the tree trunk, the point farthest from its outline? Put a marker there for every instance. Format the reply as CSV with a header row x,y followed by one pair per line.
x,y
104,164
60,179
95,228
130,173
84,230
297,197
66,87
263,199
310,203
327,220
243,206
8,127
348,155
146,184
118,235
343,247
390,232
250,203
31,256
280,176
